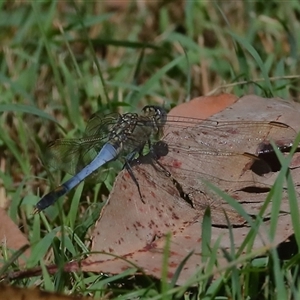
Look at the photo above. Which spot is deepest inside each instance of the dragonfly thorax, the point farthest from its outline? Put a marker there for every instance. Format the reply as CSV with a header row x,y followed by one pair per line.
x,y
122,130
132,131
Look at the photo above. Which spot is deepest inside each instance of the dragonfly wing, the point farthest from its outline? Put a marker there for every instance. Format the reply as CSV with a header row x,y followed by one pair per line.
x,y
234,136
249,136
227,170
100,124
72,155
221,156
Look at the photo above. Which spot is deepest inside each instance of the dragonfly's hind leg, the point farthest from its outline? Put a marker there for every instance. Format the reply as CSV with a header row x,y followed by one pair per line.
x,y
130,171
128,167
130,158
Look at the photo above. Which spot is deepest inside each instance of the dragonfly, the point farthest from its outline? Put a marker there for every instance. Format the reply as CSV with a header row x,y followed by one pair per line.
x,y
105,139
209,142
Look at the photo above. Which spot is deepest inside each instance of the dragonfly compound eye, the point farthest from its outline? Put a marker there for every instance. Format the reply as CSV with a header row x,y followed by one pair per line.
x,y
156,112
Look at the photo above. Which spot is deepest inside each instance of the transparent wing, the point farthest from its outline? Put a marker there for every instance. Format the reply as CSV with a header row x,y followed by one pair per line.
x,y
100,124
226,150
227,136
227,169
71,155
225,153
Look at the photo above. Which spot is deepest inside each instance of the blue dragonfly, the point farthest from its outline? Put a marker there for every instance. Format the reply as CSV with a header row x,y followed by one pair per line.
x,y
105,139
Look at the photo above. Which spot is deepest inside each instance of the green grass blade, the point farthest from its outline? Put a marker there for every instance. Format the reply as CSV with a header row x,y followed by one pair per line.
x,y
243,42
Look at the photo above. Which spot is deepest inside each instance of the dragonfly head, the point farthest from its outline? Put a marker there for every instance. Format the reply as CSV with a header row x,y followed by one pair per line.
x,y
158,113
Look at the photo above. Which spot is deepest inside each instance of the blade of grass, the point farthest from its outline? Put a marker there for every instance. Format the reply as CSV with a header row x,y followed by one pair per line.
x,y
154,79
281,292
15,88
179,269
73,211
43,25
206,235
91,48
243,42
164,269
29,109
12,259
292,197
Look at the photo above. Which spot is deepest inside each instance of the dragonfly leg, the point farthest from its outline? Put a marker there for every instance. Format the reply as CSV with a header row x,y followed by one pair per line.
x,y
130,171
130,157
161,149
128,167
177,185
163,169
155,158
